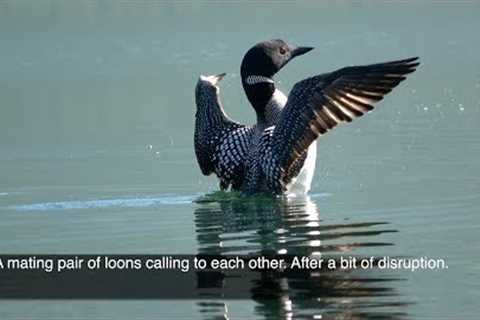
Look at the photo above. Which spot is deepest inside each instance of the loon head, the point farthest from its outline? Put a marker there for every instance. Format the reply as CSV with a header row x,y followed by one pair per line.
x,y
268,57
208,85
210,81
260,64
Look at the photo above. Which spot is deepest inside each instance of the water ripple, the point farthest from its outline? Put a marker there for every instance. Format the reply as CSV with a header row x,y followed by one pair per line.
x,y
229,225
106,203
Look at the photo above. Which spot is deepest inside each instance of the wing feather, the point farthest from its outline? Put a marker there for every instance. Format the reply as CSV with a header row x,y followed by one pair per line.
x,y
318,104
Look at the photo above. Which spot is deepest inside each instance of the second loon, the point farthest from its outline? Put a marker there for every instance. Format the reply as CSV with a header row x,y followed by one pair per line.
x,y
277,154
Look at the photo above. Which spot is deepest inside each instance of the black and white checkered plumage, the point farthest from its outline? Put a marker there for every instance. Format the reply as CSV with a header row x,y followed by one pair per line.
x,y
221,145
277,154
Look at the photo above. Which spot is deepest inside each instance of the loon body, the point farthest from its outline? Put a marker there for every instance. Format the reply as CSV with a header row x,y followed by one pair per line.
x,y
221,145
277,154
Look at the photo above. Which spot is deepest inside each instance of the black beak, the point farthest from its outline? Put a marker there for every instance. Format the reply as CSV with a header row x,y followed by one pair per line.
x,y
220,76
298,51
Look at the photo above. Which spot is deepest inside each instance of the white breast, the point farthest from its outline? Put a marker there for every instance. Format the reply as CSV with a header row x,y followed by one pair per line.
x,y
302,183
279,97
274,107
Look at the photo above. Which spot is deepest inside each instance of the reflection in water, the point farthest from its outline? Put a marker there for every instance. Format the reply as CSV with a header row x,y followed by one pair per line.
x,y
293,226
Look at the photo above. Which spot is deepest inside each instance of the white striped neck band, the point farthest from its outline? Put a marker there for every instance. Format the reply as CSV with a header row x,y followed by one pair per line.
x,y
254,79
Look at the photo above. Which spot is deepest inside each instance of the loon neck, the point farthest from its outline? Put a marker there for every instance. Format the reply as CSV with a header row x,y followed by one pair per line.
x,y
254,79
210,110
260,90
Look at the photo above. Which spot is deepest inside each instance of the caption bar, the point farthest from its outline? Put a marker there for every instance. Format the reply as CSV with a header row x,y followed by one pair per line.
x,y
175,277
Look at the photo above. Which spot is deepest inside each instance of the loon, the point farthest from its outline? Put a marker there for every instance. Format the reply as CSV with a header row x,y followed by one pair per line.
x,y
277,154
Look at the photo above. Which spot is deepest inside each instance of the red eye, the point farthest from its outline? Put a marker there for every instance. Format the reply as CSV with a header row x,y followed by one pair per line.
x,y
282,50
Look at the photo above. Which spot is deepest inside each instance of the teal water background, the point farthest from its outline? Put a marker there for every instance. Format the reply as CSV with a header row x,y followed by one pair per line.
x,y
96,155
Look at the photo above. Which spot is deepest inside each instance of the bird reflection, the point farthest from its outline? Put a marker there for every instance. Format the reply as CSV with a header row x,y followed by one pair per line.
x,y
229,225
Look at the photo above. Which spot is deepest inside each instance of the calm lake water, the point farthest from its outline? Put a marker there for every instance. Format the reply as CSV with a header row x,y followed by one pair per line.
x,y
96,131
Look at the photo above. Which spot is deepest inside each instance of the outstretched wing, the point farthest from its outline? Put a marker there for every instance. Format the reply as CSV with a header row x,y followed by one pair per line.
x,y
316,105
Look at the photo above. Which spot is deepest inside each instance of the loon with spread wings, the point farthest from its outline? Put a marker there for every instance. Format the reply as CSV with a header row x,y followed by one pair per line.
x,y
277,154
